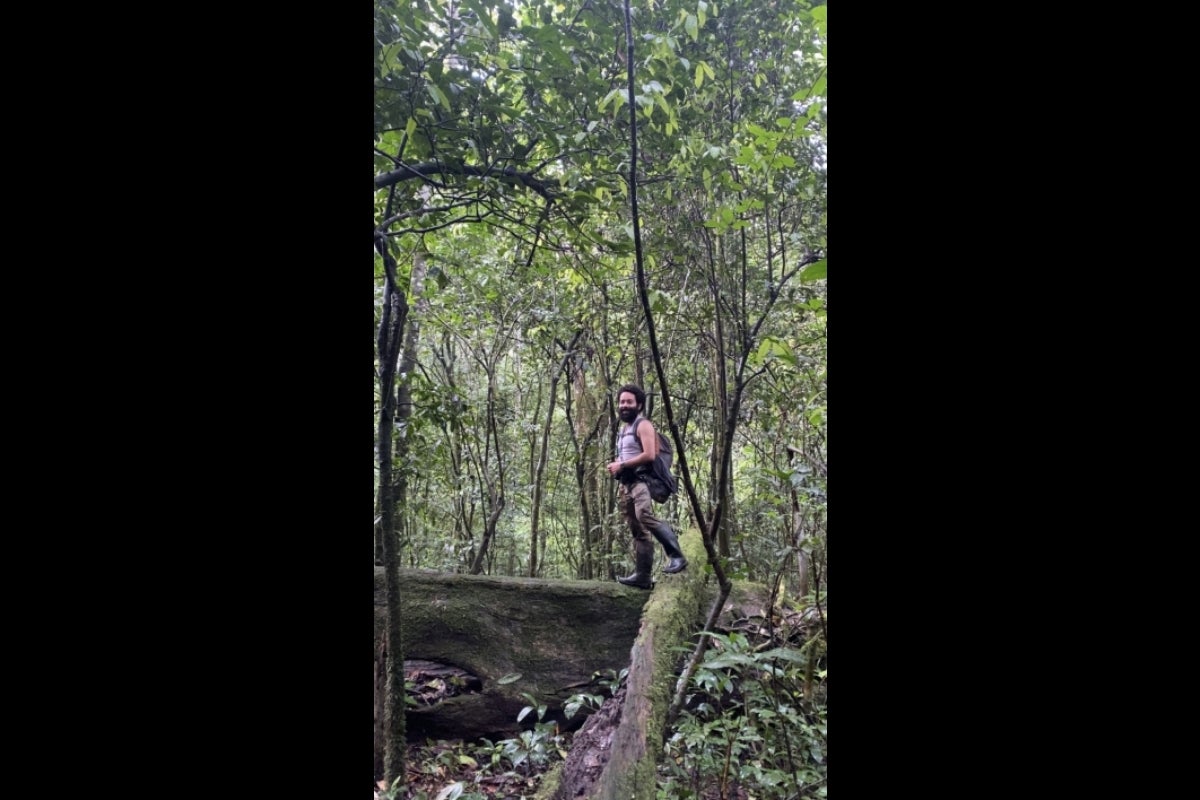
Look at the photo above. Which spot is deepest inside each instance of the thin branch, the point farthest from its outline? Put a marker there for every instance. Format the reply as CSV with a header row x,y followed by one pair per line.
x,y
382,154
387,223
546,188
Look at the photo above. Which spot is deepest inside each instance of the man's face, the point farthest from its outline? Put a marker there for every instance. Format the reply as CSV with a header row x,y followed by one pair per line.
x,y
627,408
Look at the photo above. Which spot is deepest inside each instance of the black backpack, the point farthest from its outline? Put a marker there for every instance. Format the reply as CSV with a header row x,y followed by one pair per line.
x,y
657,475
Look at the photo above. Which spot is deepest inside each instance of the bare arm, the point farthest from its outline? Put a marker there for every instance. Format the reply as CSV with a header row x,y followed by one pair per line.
x,y
649,441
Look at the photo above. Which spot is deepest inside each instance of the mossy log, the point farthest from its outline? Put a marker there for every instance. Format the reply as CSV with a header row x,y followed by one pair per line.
x,y
614,756
554,634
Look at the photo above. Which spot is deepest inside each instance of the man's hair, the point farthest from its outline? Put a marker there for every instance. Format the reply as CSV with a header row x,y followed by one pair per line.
x,y
637,393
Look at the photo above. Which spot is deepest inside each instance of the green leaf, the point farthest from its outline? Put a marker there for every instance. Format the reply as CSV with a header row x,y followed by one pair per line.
x,y
438,95
484,15
440,277
819,14
512,677
699,75
785,653
659,301
729,661
692,27
617,95
771,348
814,272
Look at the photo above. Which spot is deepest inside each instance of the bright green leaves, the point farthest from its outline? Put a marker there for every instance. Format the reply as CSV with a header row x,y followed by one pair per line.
x,y
702,70
774,348
694,22
653,96
764,148
814,272
818,88
616,95
819,15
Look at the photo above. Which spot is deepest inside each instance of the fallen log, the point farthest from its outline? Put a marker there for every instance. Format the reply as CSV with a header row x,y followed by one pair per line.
x,y
554,635
614,756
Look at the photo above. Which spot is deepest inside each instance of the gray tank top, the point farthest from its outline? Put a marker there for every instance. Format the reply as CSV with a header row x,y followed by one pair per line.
x,y
628,444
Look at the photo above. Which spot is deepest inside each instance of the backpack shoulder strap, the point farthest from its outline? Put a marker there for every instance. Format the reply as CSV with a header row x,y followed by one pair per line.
x,y
637,422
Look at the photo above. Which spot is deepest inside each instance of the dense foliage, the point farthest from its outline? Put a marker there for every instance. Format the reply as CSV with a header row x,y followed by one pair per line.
x,y
525,279
506,311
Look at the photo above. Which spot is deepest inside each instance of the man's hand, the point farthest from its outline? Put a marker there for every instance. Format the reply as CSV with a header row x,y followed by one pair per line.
x,y
614,468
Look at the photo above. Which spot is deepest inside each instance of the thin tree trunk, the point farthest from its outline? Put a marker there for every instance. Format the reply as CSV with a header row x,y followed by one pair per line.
x,y
408,362
395,312
494,488
543,456
535,476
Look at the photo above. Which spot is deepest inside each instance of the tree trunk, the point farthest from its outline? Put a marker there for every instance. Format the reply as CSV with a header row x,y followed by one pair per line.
x,y
389,344
544,454
408,362
491,486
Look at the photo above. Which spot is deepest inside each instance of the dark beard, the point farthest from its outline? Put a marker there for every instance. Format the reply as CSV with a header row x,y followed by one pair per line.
x,y
627,414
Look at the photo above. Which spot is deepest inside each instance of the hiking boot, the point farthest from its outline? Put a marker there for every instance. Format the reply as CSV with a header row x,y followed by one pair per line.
x,y
644,560
676,565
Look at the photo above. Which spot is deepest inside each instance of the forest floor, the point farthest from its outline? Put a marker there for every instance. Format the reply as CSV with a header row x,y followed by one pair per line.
x,y
483,768
432,768
513,769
